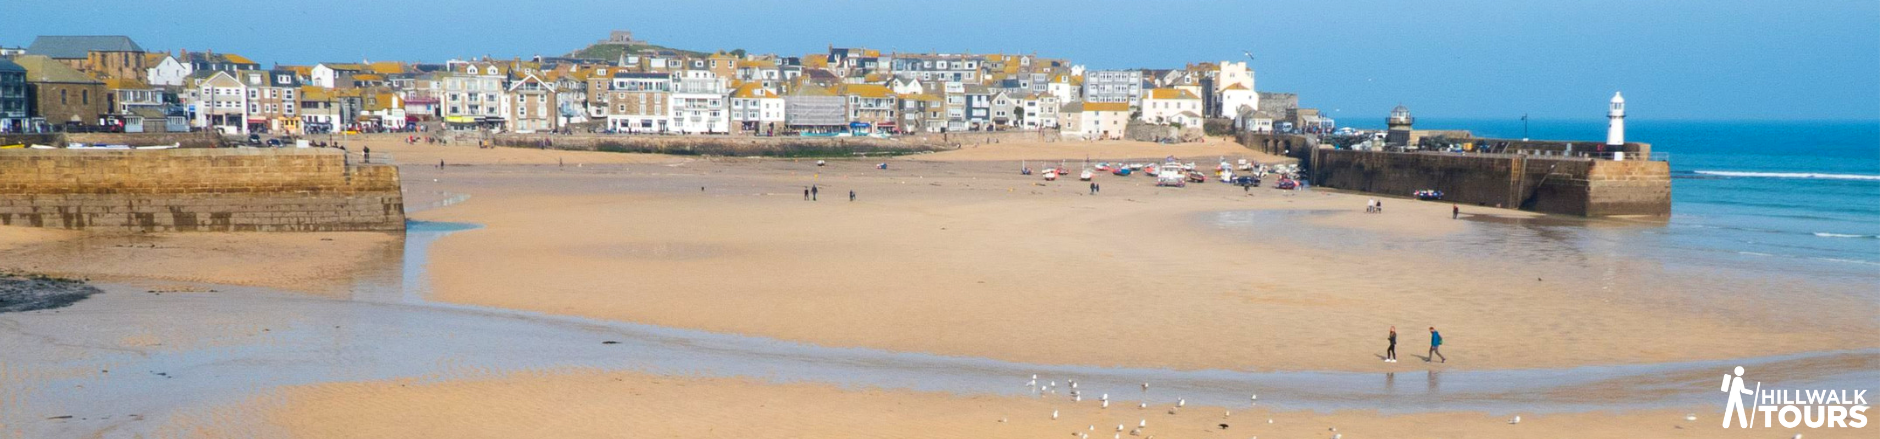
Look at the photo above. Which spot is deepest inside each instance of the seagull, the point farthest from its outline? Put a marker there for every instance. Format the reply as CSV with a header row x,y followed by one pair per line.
x,y
1516,420
1180,402
1105,397
1077,398
1690,417
1227,413
1142,405
1073,384
1143,423
1119,427
1106,403
1145,387
1054,415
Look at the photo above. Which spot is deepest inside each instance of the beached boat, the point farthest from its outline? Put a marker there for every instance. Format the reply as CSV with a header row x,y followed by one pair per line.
x,y
1050,175
1086,175
1286,183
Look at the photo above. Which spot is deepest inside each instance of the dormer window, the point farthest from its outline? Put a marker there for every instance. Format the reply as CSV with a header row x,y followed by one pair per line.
x,y
473,70
495,71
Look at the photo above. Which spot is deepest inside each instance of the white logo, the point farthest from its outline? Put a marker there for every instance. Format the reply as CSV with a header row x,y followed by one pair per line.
x,y
1792,407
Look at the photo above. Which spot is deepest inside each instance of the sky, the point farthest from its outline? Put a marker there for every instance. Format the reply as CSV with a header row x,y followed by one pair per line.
x,y
1551,59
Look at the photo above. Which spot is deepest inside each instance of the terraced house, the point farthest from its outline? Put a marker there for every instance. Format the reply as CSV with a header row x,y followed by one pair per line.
x,y
13,115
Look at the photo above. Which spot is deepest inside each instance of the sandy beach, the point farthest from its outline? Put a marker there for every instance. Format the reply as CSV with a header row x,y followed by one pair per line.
x,y
957,255
617,404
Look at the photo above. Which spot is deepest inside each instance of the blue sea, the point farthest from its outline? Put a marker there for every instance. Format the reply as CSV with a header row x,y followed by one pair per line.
x,y
1789,195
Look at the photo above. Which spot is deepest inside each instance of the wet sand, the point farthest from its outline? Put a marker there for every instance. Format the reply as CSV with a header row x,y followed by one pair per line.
x,y
951,255
625,404
316,263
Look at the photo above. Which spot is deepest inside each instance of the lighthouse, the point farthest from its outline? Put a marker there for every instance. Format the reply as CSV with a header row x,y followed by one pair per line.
x,y
1615,125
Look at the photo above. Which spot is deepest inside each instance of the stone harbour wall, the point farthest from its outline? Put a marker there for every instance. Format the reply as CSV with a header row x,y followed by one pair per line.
x,y
1562,185
183,190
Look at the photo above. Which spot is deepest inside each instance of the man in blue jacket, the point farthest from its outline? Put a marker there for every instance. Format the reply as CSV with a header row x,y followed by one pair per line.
x,y
1436,342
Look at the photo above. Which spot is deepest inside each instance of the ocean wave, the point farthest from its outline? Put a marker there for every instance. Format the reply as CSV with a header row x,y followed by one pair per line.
x,y
1806,175
1843,235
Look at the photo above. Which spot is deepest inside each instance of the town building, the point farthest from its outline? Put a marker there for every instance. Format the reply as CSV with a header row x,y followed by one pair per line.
x,y
698,103
639,102
14,117
532,106
473,96
1100,120
1171,106
1113,86
103,56
815,109
61,96
756,109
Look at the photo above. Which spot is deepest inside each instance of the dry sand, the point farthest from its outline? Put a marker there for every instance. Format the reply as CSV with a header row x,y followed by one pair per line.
x,y
627,404
968,258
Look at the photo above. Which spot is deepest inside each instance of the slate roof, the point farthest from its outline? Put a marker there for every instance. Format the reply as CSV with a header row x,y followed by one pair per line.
x,y
40,68
9,66
77,46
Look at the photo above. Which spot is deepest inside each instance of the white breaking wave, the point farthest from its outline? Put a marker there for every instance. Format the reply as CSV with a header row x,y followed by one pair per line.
x,y
1842,235
1813,175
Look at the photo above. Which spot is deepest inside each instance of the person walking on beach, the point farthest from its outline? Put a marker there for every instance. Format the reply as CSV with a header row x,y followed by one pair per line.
x,y
805,194
1390,353
813,191
368,152
851,195
1436,344
1455,211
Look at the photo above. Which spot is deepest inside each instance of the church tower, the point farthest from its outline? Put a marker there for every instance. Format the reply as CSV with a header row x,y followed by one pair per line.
x,y
1615,125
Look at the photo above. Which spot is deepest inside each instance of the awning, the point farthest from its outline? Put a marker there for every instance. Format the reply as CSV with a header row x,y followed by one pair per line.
x,y
460,119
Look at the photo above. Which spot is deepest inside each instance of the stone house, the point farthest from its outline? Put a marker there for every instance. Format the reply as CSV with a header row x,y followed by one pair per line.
x,y
61,96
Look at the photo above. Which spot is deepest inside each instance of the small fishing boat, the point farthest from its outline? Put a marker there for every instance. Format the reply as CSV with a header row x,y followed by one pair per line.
x,y
1428,194
1050,175
1086,175
1286,183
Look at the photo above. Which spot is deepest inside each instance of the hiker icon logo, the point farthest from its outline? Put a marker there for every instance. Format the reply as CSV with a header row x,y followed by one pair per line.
x,y
1814,408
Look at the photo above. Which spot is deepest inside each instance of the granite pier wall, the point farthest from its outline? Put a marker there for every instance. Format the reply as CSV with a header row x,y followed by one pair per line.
x,y
183,190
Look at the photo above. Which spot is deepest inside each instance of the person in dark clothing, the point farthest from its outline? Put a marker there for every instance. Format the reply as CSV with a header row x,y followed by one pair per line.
x,y
1390,353
813,191
851,196
368,151
805,194
1093,188
1455,211
1436,343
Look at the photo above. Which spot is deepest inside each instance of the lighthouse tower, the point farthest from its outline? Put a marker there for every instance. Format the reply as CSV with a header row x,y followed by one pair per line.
x,y
1615,125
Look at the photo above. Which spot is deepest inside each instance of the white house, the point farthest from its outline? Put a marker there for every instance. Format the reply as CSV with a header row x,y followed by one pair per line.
x,y
328,75
1099,120
1171,106
756,109
168,71
1237,101
1233,88
699,103
220,103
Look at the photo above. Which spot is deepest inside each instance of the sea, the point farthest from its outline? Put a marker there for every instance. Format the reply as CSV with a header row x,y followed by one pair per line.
x,y
1791,196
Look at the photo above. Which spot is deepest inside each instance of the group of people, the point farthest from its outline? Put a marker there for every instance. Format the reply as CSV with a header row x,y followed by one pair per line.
x,y
810,193
1436,344
1374,206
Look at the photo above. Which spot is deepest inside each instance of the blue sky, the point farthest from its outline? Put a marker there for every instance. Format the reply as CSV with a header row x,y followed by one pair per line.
x,y
1558,59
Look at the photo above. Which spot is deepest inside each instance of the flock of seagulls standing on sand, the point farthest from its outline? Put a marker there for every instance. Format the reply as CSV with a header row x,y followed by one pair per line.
x,y
1050,387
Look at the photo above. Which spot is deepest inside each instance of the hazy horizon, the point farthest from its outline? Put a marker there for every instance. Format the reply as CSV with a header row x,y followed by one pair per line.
x,y
1724,60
